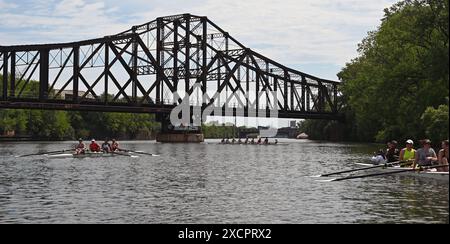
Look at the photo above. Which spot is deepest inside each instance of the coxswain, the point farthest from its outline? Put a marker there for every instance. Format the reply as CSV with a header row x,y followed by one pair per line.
x,y
80,148
94,147
114,146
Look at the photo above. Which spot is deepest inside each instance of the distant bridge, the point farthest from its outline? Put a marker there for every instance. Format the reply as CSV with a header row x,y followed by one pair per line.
x,y
140,70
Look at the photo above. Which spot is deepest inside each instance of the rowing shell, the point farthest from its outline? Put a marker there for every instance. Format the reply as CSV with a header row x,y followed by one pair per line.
x,y
90,155
430,174
254,144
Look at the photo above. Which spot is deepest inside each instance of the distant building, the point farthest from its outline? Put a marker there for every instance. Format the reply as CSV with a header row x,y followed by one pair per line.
x,y
68,94
293,124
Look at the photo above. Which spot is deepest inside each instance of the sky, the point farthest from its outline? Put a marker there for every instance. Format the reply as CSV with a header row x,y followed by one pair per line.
x,y
317,37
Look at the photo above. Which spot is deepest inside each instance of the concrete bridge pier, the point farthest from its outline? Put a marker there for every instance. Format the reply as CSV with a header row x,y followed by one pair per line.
x,y
180,134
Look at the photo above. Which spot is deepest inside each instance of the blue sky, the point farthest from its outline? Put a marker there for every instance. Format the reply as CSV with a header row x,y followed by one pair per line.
x,y
315,36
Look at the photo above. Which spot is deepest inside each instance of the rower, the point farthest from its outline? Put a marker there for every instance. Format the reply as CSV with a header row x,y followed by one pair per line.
x,y
253,141
392,152
246,140
266,141
223,140
426,155
443,156
227,141
240,141
80,148
94,147
276,141
408,153
106,147
114,146
259,141
233,141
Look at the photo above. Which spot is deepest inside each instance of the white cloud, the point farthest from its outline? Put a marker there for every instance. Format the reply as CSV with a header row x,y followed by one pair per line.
x,y
293,32
6,6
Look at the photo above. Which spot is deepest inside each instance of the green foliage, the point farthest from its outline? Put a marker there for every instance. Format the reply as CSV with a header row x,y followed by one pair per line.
x,y
61,125
217,132
435,122
12,120
50,124
402,70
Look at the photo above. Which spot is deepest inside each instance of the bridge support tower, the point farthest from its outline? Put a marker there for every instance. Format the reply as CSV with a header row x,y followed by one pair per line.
x,y
172,134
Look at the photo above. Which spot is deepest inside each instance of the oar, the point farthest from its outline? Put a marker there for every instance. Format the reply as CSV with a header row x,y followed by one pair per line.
x,y
126,155
365,168
386,173
37,154
139,152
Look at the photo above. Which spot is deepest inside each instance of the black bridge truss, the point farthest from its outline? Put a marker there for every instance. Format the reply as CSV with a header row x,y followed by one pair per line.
x,y
141,70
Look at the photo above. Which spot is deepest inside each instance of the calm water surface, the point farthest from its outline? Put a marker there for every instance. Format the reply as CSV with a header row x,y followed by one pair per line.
x,y
210,183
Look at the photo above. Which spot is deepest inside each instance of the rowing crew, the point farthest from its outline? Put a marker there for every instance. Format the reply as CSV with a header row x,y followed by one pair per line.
x,y
247,141
106,147
425,156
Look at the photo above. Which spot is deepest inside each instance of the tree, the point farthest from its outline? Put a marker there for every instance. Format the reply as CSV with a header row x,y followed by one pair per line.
x,y
435,122
402,69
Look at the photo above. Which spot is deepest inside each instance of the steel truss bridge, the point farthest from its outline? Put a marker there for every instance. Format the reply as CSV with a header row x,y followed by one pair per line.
x,y
140,71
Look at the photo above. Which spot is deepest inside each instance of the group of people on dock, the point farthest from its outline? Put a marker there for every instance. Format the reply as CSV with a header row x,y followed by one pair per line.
x,y
422,157
106,147
248,141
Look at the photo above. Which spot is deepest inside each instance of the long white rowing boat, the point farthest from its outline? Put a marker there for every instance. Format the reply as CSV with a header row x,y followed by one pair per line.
x,y
429,174
89,155
254,144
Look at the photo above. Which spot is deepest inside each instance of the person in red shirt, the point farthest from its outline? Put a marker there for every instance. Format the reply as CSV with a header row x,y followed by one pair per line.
x,y
94,147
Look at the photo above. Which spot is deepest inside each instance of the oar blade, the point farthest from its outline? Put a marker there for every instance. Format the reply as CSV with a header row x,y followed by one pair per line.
x,y
315,176
328,180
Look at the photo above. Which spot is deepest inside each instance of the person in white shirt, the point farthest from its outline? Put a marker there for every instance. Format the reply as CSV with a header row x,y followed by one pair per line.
x,y
379,158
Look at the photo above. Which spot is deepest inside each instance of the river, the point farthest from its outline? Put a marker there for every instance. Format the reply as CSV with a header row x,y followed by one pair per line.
x,y
210,183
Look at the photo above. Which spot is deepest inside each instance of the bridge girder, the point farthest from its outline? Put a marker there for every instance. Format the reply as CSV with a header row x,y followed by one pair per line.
x,y
141,70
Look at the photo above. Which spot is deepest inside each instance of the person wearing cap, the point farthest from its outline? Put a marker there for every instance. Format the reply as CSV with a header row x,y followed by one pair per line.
x,y
443,156
426,155
80,148
94,147
408,153
392,153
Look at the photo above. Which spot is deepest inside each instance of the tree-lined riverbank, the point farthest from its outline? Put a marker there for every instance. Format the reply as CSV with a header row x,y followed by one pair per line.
x,y
398,86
